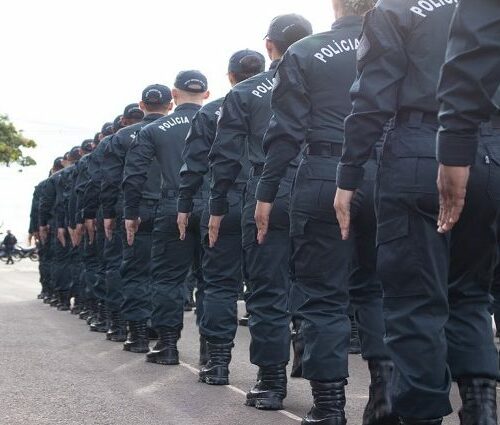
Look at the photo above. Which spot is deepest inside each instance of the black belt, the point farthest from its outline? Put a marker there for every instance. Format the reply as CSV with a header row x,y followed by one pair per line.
x,y
324,149
416,117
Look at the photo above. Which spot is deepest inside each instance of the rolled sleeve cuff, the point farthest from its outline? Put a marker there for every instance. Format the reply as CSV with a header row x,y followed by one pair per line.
x,y
185,205
456,150
349,177
109,213
266,192
89,214
218,207
131,213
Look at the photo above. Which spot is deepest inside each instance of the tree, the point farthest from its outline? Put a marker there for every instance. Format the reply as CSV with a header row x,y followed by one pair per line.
x,y
12,143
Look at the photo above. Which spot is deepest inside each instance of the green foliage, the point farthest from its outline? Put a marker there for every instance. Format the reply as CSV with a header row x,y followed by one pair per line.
x,y
12,143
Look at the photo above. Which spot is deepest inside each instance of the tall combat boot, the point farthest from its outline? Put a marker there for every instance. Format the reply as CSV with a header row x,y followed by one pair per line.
x,y
117,331
203,351
54,300
406,421
63,304
165,350
216,371
479,406
100,322
329,403
92,305
298,350
137,341
355,343
378,410
270,389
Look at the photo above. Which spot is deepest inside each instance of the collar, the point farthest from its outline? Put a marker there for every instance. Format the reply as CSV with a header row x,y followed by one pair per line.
x,y
347,21
187,106
274,65
152,117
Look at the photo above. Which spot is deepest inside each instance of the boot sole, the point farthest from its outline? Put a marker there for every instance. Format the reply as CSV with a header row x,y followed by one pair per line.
x,y
163,362
265,404
209,380
101,331
136,350
117,339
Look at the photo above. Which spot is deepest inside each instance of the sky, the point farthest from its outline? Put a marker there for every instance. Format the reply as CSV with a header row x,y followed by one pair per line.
x,y
68,66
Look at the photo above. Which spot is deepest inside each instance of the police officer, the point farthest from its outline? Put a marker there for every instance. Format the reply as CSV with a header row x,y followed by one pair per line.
x,y
244,119
222,264
435,304
135,268
112,251
171,255
310,102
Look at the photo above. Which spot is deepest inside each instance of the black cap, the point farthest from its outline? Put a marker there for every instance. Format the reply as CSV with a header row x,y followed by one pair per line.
x,y
133,111
117,123
192,81
66,156
97,137
246,61
75,153
107,129
289,28
156,94
58,163
88,145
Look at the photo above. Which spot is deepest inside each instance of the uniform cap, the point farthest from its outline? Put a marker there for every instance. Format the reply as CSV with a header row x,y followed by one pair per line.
x,y
107,129
117,123
58,163
156,94
191,81
75,153
246,61
289,28
133,111
88,145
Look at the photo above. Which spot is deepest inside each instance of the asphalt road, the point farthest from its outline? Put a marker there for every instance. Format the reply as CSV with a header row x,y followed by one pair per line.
x,y
54,371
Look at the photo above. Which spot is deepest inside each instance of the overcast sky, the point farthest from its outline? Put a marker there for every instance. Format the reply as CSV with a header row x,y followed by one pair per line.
x,y
68,67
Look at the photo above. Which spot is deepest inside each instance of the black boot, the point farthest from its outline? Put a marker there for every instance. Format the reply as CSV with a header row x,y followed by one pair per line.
x,y
244,320
63,304
85,313
378,411
117,331
270,389
355,344
152,334
406,421
216,371
54,300
40,296
46,298
479,406
203,351
100,322
137,340
77,307
92,304
329,403
165,351
298,351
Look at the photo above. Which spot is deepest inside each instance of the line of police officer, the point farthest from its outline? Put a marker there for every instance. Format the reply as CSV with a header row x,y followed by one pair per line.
x,y
242,189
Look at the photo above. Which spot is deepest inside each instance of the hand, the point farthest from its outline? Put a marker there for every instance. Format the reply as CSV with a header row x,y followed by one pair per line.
x,y
109,226
61,236
342,205
213,229
30,238
77,234
131,227
44,233
90,226
262,214
452,186
182,224
37,236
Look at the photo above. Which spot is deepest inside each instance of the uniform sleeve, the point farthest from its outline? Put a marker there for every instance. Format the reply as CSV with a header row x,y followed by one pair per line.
x,y
382,64
91,195
469,80
82,183
112,176
228,150
195,156
137,164
34,211
291,108
47,202
73,219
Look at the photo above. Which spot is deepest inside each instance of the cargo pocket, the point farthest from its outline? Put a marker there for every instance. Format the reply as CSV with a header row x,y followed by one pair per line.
x,y
493,161
398,265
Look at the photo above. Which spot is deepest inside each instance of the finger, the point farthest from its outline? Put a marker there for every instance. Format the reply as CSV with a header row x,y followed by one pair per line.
x,y
212,236
344,222
182,231
262,231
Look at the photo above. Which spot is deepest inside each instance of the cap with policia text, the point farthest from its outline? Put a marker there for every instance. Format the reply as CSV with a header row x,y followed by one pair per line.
x,y
88,145
156,94
133,111
107,129
191,81
246,61
288,28
117,123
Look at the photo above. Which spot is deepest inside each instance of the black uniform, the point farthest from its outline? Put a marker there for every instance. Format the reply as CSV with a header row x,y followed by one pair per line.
x,y
42,248
310,102
170,257
222,264
135,269
399,59
245,116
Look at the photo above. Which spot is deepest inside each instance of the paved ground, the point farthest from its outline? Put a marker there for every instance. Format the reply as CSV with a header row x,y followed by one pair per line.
x,y
54,371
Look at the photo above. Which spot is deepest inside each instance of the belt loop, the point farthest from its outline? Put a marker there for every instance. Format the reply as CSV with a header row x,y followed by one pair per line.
x,y
415,119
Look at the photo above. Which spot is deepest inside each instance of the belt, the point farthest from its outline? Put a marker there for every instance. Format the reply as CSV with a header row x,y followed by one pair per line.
x,y
149,202
416,117
324,149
